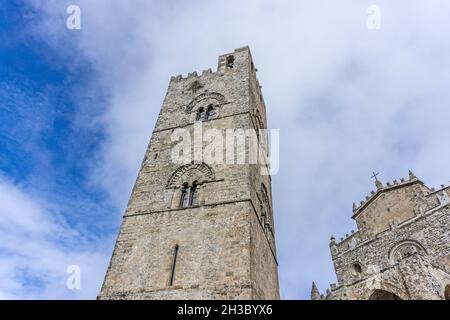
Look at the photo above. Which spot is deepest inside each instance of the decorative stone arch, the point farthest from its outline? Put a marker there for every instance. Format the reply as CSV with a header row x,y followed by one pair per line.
x,y
219,98
261,136
201,172
383,295
258,117
265,209
189,175
357,269
404,249
386,291
264,192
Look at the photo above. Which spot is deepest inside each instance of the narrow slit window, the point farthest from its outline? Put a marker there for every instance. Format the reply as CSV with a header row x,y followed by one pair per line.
x,y
174,263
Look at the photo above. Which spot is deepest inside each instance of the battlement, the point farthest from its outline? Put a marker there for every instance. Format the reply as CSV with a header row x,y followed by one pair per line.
x,y
345,239
357,209
225,61
191,75
383,188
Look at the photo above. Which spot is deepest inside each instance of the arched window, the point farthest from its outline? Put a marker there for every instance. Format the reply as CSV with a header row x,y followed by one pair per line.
x,y
404,249
184,200
205,115
230,62
200,114
194,196
355,271
357,268
189,195
210,112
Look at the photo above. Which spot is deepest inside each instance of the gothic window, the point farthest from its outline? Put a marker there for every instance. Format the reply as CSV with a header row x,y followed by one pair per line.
x,y
405,249
184,201
230,62
210,112
200,114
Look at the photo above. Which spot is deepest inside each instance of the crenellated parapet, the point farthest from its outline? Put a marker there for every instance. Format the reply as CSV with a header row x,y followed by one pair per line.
x,y
192,75
383,188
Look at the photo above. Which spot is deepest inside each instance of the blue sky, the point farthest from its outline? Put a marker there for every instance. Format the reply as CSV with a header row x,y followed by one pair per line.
x,y
45,154
77,108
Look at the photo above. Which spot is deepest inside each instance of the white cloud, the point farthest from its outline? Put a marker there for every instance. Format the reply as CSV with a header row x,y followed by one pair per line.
x,y
36,247
348,100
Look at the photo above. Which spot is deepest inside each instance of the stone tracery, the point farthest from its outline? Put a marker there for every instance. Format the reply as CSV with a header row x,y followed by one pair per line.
x,y
405,249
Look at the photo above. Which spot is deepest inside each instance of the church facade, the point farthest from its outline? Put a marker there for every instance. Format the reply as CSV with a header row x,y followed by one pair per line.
x,y
200,229
401,250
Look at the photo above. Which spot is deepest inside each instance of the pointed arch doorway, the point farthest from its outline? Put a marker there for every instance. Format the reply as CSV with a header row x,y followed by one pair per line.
x,y
383,295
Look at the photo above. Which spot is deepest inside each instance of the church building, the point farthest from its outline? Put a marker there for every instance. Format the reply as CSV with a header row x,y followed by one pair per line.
x,y
401,250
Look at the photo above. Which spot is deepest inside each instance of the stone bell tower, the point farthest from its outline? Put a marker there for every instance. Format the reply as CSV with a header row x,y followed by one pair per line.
x,y
200,230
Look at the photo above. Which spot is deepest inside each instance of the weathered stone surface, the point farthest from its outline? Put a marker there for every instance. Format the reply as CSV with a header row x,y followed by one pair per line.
x,y
402,248
225,250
